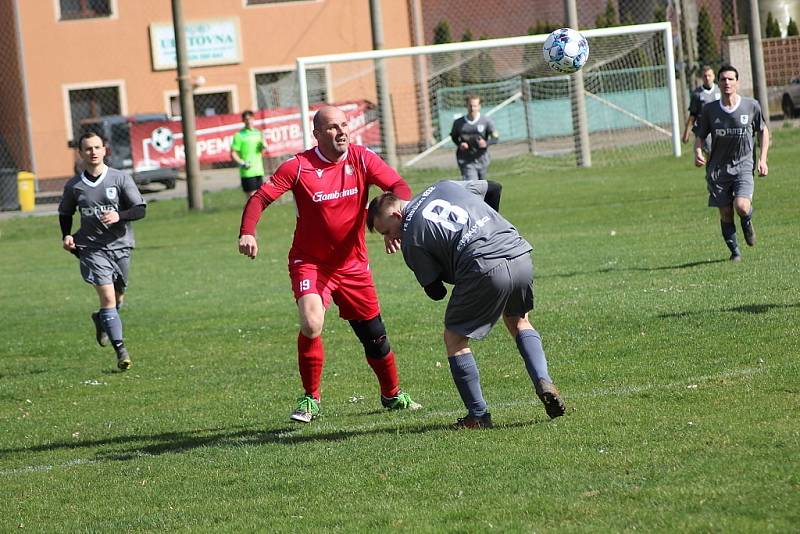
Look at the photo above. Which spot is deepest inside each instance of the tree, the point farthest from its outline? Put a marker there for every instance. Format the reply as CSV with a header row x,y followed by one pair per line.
x,y
445,74
772,29
608,18
543,27
791,29
441,33
727,25
476,66
707,50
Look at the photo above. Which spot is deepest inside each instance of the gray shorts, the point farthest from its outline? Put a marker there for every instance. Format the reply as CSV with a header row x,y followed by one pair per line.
x,y
724,187
477,302
474,169
103,267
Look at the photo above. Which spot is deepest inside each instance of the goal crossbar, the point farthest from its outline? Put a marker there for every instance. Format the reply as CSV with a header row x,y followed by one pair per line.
x,y
665,27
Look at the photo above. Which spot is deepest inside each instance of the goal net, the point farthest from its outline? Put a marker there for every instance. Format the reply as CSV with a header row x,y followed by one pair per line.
x,y
414,95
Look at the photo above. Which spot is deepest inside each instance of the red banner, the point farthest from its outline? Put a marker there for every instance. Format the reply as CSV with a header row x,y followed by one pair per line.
x,y
159,144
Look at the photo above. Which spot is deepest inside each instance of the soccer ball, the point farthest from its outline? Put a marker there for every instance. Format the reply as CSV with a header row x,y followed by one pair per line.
x,y
565,50
162,139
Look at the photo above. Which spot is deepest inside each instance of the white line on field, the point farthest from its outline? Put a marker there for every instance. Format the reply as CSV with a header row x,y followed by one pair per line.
x,y
689,383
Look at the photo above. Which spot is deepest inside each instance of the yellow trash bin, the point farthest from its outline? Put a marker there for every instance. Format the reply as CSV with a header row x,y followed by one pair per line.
x,y
26,188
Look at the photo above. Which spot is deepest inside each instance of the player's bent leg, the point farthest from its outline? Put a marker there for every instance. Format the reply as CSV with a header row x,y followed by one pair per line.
x,y
312,315
110,324
467,380
310,356
728,229
744,208
372,335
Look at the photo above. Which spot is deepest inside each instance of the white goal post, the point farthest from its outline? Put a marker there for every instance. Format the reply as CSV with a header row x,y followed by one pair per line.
x,y
629,92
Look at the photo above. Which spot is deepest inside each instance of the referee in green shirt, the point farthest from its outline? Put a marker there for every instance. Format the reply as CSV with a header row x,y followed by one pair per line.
x,y
246,150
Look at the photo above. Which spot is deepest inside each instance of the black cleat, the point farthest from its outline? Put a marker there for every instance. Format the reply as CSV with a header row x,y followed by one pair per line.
x,y
749,234
471,422
735,257
123,359
99,333
551,398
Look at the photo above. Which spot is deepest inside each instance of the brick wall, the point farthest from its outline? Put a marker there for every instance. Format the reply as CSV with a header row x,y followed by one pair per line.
x,y
781,59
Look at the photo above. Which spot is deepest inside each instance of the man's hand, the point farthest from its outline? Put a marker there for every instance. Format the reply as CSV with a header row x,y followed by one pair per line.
x,y
248,246
481,143
245,165
109,217
464,145
68,243
763,169
392,245
699,158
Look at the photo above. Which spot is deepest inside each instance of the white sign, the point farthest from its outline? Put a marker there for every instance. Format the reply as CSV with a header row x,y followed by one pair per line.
x,y
208,42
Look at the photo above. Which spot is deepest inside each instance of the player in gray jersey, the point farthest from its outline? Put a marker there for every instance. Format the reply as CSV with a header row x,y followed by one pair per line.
x,y
472,135
733,122
703,94
107,200
448,234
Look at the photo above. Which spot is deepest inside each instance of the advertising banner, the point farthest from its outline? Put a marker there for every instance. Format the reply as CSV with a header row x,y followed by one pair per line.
x,y
159,144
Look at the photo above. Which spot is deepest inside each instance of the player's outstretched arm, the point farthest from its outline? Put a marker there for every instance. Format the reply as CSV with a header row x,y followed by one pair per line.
x,y
248,246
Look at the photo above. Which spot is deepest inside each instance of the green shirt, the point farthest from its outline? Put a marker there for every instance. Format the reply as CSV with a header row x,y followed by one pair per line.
x,y
248,143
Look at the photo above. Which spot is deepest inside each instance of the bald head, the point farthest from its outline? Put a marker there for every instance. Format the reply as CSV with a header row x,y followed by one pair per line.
x,y
332,131
325,115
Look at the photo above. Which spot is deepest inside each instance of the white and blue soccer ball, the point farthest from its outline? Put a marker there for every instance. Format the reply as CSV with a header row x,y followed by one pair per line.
x,y
566,50
162,139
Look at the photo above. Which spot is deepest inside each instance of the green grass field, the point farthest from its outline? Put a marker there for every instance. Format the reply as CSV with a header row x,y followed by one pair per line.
x,y
680,371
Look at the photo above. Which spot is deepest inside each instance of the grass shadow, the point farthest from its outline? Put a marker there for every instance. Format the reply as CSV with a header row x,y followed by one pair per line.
x,y
606,270
752,309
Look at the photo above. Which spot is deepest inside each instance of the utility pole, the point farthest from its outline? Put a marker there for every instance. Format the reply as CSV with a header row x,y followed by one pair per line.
x,y
757,60
382,82
194,191
684,87
580,123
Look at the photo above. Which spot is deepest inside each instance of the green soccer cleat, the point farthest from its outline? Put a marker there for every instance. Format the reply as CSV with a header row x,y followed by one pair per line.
x,y
472,422
99,334
123,359
307,409
401,401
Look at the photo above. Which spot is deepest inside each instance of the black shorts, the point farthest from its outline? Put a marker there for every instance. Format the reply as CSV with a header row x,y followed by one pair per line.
x,y
252,183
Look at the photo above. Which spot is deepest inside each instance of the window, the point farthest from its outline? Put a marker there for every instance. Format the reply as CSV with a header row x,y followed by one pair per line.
x,y
279,89
84,9
91,103
205,104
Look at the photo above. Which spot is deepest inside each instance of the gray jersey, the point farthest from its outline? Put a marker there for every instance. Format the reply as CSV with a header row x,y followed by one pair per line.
x,y
113,191
732,135
702,96
466,131
449,232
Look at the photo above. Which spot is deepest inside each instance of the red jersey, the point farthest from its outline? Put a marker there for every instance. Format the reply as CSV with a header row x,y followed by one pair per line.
x,y
331,199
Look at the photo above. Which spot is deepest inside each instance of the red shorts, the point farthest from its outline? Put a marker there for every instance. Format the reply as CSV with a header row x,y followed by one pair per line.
x,y
353,291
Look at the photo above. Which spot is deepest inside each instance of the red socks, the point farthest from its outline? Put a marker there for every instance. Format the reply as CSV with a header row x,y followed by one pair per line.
x,y
386,371
310,358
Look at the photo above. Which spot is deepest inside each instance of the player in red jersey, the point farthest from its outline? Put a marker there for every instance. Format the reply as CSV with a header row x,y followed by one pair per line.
x,y
328,259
